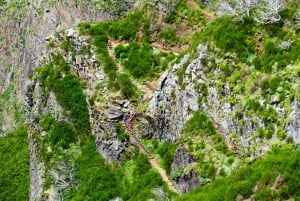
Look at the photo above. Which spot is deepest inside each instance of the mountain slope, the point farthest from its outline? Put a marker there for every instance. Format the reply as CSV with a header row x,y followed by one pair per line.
x,y
171,97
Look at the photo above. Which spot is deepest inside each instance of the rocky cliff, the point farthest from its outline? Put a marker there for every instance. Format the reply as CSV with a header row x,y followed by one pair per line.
x,y
216,106
191,85
24,27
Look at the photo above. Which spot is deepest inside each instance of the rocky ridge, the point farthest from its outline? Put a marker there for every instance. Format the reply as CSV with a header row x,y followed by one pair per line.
x,y
39,104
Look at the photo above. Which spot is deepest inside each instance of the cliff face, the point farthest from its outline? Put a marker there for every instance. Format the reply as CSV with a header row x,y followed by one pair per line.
x,y
249,114
174,104
43,108
192,85
24,27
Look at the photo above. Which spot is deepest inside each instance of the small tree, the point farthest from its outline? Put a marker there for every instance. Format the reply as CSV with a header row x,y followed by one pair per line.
x,y
270,11
267,10
239,8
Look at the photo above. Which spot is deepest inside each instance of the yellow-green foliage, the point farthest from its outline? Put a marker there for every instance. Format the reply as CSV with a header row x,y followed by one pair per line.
x,y
206,145
262,173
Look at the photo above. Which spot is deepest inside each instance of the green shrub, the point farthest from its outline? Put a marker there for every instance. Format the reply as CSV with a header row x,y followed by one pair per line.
x,y
142,165
166,151
97,180
180,74
282,161
141,61
61,135
67,90
67,45
84,27
46,122
128,28
122,135
199,124
70,96
2,2
128,90
14,166
169,36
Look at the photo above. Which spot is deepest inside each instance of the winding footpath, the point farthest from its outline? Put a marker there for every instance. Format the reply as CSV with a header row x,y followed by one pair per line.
x,y
153,161
133,139
148,93
229,141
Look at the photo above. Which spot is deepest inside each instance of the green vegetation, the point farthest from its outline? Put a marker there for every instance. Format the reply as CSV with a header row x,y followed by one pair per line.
x,y
164,151
262,173
73,141
98,181
115,9
2,2
140,179
168,36
181,73
122,134
183,12
254,68
201,125
70,140
57,77
100,33
142,61
61,135
259,65
229,35
129,29
11,106
207,147
14,166
243,38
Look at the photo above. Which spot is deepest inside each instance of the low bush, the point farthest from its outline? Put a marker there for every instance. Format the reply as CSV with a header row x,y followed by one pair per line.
x,y
199,124
141,60
14,166
122,134
67,90
61,135
166,151
128,90
282,161
128,28
168,36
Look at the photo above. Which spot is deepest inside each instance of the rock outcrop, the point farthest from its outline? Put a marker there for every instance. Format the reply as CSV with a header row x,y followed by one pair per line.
x,y
195,83
173,103
40,102
185,177
37,105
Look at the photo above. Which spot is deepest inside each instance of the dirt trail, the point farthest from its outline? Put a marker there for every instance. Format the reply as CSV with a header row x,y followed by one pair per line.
x,y
208,15
162,48
148,92
231,143
153,161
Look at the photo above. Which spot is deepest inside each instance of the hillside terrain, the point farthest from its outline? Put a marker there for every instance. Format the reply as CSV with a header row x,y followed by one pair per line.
x,y
150,100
